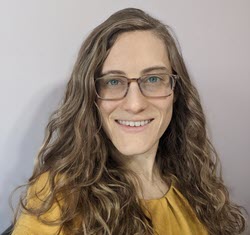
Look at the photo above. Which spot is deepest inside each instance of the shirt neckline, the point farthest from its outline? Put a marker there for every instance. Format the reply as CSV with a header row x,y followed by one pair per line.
x,y
161,198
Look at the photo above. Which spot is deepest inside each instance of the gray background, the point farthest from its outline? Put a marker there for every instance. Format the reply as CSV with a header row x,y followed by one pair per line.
x,y
39,41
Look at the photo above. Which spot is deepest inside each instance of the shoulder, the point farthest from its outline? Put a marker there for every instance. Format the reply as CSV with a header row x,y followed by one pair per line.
x,y
31,221
38,190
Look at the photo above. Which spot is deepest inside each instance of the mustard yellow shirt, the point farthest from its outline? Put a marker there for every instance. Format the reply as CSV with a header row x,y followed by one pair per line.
x,y
170,215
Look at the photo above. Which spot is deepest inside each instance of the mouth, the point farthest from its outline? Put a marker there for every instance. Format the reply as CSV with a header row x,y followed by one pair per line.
x,y
130,123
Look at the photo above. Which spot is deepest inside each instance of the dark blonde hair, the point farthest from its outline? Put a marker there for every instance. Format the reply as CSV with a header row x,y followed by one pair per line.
x,y
87,173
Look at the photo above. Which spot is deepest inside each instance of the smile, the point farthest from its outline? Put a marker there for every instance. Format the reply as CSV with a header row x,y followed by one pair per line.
x,y
134,123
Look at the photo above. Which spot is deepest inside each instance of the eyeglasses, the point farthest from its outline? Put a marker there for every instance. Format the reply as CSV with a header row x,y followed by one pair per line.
x,y
115,87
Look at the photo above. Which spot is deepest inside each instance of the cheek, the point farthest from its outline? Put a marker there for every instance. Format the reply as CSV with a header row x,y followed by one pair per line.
x,y
106,109
166,115
169,111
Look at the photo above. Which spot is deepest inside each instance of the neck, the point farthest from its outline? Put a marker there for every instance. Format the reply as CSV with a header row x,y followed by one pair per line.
x,y
150,184
144,165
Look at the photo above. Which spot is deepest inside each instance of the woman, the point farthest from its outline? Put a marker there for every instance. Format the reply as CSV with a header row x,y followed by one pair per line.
x,y
127,152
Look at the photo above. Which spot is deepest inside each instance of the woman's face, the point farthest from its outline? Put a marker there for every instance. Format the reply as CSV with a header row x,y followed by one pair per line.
x,y
132,53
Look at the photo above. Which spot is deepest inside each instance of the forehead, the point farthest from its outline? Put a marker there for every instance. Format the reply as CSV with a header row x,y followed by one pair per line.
x,y
134,51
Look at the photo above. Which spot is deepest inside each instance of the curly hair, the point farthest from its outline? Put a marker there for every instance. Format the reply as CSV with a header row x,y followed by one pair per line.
x,y
85,171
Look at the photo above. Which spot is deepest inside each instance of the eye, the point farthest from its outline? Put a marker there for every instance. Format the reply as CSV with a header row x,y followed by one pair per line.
x,y
153,79
113,82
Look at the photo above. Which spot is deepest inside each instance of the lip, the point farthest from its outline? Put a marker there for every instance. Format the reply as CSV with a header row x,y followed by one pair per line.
x,y
137,120
134,129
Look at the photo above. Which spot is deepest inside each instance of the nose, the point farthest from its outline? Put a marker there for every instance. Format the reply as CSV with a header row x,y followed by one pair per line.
x,y
134,101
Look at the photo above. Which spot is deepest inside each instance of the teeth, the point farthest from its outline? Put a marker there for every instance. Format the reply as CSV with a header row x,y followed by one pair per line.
x,y
137,123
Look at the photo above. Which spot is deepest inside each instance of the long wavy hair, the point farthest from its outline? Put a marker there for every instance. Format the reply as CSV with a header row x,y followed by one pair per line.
x,y
86,171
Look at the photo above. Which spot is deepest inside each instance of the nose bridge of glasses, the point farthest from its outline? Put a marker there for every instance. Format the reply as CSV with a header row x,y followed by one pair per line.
x,y
130,80
137,80
133,80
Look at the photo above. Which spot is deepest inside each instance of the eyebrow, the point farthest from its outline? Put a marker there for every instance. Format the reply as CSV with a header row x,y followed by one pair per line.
x,y
146,70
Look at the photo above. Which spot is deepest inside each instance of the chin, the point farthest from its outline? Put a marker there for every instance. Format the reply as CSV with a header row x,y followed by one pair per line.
x,y
130,152
137,149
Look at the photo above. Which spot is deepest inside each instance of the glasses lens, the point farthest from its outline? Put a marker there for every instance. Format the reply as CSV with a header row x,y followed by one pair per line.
x,y
156,85
111,87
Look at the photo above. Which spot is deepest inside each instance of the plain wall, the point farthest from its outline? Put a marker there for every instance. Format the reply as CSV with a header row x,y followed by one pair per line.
x,y
39,41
